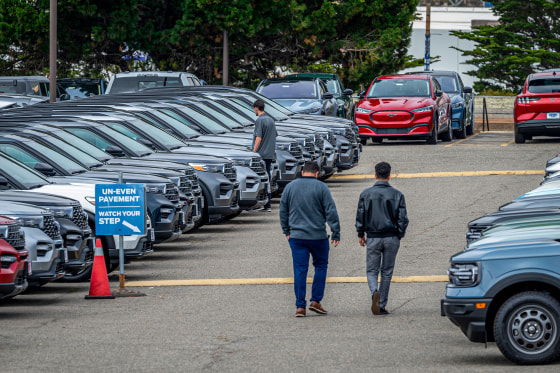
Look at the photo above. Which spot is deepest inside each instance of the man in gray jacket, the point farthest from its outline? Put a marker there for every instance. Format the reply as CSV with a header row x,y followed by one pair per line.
x,y
264,142
382,215
306,205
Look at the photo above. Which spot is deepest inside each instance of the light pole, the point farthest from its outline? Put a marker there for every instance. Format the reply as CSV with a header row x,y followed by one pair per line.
x,y
427,47
52,50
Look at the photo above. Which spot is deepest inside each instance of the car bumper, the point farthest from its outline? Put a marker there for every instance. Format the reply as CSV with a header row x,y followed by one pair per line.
x,y
539,127
53,272
422,130
81,258
465,314
18,286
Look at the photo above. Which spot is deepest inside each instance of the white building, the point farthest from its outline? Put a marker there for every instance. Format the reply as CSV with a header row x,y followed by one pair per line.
x,y
442,21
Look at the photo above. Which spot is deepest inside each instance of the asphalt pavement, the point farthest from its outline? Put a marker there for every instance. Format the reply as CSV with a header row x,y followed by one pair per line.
x,y
227,327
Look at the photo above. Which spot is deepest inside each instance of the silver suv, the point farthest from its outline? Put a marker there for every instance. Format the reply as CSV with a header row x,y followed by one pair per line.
x,y
137,81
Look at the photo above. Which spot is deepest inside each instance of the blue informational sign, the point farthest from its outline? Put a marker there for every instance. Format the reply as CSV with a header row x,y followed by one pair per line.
x,y
119,209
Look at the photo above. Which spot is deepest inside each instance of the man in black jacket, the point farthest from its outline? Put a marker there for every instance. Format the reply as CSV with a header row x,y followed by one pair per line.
x,y
382,216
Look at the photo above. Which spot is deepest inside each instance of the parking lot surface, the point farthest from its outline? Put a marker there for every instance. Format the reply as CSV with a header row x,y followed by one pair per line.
x,y
220,299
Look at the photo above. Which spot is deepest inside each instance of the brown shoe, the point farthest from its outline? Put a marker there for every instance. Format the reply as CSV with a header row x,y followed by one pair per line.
x,y
375,303
300,312
316,307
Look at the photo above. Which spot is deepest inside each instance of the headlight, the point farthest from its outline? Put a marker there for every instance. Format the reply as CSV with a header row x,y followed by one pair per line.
x,y
3,231
7,260
362,110
91,200
282,146
339,131
457,105
208,167
155,188
423,109
30,221
62,212
464,274
241,162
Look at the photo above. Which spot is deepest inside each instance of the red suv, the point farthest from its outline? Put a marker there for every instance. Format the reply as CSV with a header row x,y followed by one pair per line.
x,y
407,106
537,107
14,264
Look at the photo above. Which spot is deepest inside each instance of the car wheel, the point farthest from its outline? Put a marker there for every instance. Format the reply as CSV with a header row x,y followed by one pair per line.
x,y
470,127
363,140
526,328
462,133
432,140
81,276
377,140
519,138
448,135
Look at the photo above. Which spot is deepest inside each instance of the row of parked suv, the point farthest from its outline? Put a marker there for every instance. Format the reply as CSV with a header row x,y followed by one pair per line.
x,y
189,146
505,285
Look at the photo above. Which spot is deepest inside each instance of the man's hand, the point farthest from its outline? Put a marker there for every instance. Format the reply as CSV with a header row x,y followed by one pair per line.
x,y
288,237
335,243
362,241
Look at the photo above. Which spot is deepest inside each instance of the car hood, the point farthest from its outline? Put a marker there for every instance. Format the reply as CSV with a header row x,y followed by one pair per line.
x,y
541,247
395,103
15,209
39,199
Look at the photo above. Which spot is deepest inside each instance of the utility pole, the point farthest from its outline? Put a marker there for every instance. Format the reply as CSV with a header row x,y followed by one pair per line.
x,y
427,47
225,67
52,50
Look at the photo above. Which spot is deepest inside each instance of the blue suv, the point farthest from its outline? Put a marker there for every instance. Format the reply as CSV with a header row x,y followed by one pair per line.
x,y
507,290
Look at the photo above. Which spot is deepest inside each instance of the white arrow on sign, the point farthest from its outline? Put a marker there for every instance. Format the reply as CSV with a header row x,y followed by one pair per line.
x,y
134,228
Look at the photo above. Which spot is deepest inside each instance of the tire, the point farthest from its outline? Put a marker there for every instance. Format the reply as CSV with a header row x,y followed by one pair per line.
x,y
462,133
363,140
448,135
519,138
470,127
432,140
526,328
377,140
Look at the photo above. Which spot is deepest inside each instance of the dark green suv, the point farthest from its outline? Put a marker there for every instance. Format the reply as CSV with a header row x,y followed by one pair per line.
x,y
334,84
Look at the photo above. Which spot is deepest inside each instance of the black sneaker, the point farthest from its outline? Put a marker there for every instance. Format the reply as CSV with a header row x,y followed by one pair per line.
x,y
383,311
269,210
375,303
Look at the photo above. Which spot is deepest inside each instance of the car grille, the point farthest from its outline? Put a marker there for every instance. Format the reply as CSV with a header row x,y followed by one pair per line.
x,y
230,172
147,247
350,135
331,138
319,142
79,218
257,165
15,237
295,150
185,185
171,192
309,146
392,131
20,279
234,200
193,178
50,228
89,257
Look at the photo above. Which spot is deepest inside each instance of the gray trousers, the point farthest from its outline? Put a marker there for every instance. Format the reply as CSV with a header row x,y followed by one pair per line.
x,y
380,256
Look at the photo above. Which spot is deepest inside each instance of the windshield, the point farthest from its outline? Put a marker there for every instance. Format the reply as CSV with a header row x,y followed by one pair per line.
x,y
102,143
399,88
549,85
155,133
180,124
76,153
81,89
21,173
272,110
221,115
289,89
85,146
54,156
448,84
208,123
136,83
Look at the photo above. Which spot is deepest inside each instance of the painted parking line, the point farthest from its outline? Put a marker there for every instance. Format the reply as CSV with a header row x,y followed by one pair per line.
x,y
508,143
277,281
439,174
458,142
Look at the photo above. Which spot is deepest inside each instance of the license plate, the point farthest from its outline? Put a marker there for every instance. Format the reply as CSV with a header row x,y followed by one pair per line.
x,y
552,115
29,270
152,235
65,256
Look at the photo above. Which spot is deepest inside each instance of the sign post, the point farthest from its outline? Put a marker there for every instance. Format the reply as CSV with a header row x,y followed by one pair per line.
x,y
120,209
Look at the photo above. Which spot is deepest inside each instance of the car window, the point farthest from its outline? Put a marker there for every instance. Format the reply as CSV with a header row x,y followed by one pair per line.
x,y
136,83
81,89
399,88
82,144
22,174
7,86
21,155
437,86
92,138
279,90
448,84
332,85
546,85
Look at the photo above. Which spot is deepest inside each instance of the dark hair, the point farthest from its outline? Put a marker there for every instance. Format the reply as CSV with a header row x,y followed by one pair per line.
x,y
383,170
259,104
311,167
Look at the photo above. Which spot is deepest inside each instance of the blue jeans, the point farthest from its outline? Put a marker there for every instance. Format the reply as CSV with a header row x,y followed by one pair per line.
x,y
319,250
268,165
380,256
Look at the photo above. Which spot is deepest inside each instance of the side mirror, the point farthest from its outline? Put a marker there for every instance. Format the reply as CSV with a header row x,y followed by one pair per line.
x,y
45,169
328,95
4,183
362,94
115,151
438,93
146,142
467,89
348,92
64,97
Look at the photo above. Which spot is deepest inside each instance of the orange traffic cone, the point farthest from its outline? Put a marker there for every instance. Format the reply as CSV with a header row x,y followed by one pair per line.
x,y
99,284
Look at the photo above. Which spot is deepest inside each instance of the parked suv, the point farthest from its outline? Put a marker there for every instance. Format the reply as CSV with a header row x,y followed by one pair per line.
x,y
13,260
537,107
508,291
136,81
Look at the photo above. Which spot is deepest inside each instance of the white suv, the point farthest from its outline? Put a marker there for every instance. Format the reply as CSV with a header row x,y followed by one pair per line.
x,y
136,81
